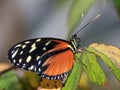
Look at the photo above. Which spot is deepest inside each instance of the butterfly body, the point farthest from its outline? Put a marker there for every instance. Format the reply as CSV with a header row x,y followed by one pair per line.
x,y
49,57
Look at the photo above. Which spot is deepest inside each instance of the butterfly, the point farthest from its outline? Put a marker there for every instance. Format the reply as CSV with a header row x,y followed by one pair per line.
x,y
50,58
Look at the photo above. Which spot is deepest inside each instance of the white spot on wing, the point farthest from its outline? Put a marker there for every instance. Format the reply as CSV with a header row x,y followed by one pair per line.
x,y
48,43
39,62
54,78
35,69
17,64
28,59
33,47
38,57
14,61
20,60
18,45
48,77
24,65
51,78
44,48
27,42
43,75
21,52
23,46
31,67
38,40
61,76
13,55
39,70
58,77
12,51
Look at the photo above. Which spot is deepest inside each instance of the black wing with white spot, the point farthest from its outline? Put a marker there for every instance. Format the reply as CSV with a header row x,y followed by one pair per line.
x,y
27,54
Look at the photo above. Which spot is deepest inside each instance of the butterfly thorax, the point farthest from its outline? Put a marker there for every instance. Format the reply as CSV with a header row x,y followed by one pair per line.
x,y
74,40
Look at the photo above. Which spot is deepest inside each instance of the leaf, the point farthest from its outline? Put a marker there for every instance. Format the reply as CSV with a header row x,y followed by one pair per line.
x,y
60,3
8,80
74,77
31,79
110,51
117,5
93,69
83,83
110,55
78,8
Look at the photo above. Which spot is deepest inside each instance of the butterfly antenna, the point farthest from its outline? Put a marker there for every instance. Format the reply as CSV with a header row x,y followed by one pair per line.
x,y
88,23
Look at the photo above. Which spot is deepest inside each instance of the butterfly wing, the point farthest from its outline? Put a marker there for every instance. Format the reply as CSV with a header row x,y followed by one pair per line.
x,y
57,65
46,56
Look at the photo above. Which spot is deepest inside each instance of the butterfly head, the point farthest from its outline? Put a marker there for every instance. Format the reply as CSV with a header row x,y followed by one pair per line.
x,y
75,42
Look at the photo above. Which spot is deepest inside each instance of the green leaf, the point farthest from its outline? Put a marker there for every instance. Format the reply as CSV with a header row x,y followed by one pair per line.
x,y
78,8
117,2
93,69
108,62
29,81
73,79
8,80
117,5
60,3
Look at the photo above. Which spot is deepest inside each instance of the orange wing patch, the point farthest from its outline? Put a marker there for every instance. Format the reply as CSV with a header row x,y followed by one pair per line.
x,y
59,64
